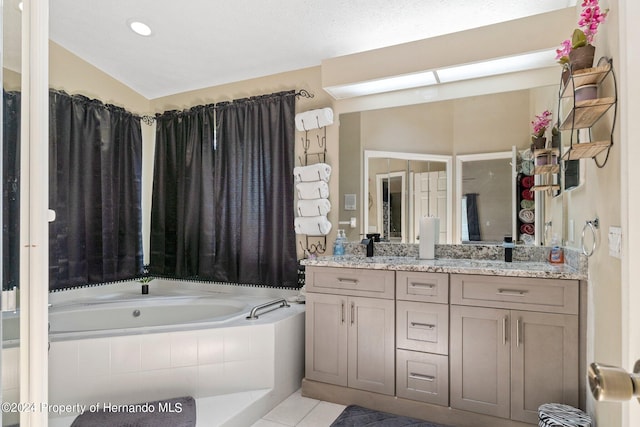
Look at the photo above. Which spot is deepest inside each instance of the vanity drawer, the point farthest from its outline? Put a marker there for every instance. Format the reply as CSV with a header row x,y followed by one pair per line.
x,y
549,295
426,287
422,326
423,377
351,281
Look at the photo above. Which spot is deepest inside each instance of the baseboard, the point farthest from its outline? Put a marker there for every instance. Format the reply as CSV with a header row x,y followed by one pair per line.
x,y
400,406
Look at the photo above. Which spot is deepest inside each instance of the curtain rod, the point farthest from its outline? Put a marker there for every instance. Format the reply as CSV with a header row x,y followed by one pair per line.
x,y
149,119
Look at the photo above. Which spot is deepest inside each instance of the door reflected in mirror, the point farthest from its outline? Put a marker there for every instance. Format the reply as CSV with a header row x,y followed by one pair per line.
x,y
391,190
400,188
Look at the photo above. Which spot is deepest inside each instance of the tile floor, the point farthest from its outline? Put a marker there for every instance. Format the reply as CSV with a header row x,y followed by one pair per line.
x,y
299,411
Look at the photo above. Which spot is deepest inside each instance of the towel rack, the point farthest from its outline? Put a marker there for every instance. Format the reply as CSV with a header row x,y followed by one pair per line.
x,y
306,144
313,245
592,225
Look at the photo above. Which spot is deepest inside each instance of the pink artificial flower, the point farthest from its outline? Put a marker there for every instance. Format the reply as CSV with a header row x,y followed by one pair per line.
x,y
565,48
541,122
590,18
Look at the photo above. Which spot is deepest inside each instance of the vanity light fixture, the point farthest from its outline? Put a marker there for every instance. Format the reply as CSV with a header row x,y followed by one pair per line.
x,y
387,84
492,67
140,28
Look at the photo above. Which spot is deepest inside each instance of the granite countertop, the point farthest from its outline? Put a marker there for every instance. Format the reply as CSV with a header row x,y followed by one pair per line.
x,y
536,269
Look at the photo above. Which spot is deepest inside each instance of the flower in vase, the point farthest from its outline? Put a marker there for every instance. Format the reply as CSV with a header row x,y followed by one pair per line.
x,y
590,19
540,123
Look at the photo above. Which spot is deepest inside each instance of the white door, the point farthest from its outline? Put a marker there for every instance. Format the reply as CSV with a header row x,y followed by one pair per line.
x,y
430,199
630,152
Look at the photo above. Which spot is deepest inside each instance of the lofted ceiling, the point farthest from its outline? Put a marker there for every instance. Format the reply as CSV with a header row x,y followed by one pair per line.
x,y
202,43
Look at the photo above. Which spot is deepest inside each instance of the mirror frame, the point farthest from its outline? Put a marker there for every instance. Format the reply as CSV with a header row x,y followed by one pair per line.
x,y
372,154
460,159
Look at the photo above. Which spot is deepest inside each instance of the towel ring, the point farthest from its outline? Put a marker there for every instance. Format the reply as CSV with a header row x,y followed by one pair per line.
x,y
592,225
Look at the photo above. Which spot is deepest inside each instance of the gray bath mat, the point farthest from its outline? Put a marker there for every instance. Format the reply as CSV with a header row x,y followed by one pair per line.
x,y
178,412
357,416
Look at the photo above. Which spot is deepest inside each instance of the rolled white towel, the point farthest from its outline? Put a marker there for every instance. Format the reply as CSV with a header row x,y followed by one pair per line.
x,y
313,207
312,190
314,119
312,225
315,172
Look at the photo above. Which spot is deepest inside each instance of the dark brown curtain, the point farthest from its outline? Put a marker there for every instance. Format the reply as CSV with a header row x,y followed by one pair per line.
x,y
95,163
234,224
10,189
182,228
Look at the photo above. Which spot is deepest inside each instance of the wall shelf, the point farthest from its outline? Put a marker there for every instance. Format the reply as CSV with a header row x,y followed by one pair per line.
x,y
550,164
545,187
586,150
586,113
583,114
587,76
546,169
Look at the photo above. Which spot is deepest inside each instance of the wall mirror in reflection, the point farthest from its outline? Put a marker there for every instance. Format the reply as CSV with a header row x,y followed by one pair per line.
x,y
486,196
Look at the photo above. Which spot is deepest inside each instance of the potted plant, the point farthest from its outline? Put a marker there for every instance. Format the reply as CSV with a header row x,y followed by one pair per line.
x,y
540,125
579,50
144,280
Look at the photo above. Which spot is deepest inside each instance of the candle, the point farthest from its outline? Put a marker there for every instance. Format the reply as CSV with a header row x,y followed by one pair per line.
x,y
429,231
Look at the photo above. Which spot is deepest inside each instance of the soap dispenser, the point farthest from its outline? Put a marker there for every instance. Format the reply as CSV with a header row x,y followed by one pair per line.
x,y
556,254
508,248
338,245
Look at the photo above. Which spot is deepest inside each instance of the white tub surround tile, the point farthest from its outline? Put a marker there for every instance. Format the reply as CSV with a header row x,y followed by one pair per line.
x,y
125,354
210,346
155,352
93,358
184,349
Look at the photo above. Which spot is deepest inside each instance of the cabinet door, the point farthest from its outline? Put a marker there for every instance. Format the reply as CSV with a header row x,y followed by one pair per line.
x,y
544,362
371,345
479,360
326,338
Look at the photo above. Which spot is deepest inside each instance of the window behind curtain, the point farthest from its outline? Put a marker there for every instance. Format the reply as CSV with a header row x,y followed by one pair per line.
x,y
95,163
226,214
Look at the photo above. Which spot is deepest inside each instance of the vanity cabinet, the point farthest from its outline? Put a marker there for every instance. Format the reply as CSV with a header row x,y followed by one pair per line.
x,y
350,336
514,344
471,349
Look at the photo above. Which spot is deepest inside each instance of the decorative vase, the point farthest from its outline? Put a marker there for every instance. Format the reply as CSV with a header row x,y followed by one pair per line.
x,y
586,92
582,57
538,142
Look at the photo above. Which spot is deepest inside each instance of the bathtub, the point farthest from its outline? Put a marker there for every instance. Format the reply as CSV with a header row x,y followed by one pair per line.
x,y
110,344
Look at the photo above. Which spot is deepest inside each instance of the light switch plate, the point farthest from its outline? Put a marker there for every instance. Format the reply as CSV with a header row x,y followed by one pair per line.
x,y
615,242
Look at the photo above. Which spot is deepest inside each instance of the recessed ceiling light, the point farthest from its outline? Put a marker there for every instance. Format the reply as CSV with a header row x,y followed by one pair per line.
x,y
140,28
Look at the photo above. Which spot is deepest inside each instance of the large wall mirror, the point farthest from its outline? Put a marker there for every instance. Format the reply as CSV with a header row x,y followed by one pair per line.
x,y
475,125
401,188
